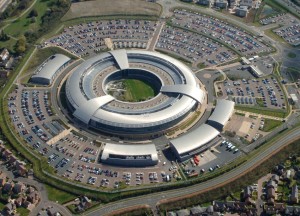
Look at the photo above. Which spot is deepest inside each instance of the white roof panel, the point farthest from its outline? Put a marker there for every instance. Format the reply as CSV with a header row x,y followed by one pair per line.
x,y
129,150
222,112
194,139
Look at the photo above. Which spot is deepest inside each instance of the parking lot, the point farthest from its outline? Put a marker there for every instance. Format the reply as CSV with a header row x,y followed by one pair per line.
x,y
289,27
264,92
193,47
216,157
88,39
247,127
234,36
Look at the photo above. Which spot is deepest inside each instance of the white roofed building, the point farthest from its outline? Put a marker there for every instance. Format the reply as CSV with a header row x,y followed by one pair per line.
x,y
49,69
133,155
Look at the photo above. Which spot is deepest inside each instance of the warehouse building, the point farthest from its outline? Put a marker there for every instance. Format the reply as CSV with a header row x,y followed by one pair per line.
x,y
221,115
194,142
49,69
129,155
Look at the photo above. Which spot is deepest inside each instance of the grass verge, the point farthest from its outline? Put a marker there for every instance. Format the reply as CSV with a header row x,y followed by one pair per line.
x,y
271,124
262,111
59,196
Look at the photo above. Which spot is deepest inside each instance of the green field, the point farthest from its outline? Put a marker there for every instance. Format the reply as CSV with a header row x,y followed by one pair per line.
x,y
58,195
23,24
137,90
270,124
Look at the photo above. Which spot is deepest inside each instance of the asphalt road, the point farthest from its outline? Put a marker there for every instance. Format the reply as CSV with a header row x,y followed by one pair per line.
x,y
155,198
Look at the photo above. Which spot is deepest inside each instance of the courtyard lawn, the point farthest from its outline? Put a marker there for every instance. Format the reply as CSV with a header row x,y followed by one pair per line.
x,y
137,90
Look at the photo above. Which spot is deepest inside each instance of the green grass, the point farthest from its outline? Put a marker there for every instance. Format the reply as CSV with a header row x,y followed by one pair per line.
x,y
271,124
1,205
268,11
240,114
260,102
294,73
263,111
292,55
23,24
201,65
137,90
58,195
22,211
9,44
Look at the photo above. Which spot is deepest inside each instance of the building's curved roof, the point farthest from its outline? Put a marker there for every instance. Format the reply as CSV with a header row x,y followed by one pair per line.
x,y
50,66
196,94
129,150
194,139
222,112
79,88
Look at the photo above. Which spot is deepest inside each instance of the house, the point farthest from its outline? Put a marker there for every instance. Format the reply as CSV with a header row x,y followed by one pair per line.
x,y
241,11
8,186
4,55
247,3
272,184
171,214
4,73
222,4
33,197
2,148
8,64
52,212
247,192
21,170
287,175
292,210
19,201
197,210
183,212
271,193
10,208
2,179
26,204
19,188
30,189
6,154
275,178
12,160
205,2
294,195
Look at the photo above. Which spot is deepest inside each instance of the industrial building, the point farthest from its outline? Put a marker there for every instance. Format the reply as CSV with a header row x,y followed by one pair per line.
x,y
179,92
221,115
194,142
201,138
49,69
133,155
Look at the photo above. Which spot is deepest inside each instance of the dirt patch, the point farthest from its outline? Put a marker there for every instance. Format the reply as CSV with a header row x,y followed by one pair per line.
x,y
112,8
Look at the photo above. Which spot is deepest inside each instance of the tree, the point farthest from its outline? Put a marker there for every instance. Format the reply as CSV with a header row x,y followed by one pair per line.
x,y
33,13
21,45
3,36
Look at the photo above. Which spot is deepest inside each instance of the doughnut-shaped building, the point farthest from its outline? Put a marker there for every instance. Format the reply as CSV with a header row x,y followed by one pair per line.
x,y
87,90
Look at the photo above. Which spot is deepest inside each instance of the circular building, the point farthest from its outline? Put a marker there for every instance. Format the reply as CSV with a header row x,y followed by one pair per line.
x,y
94,92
